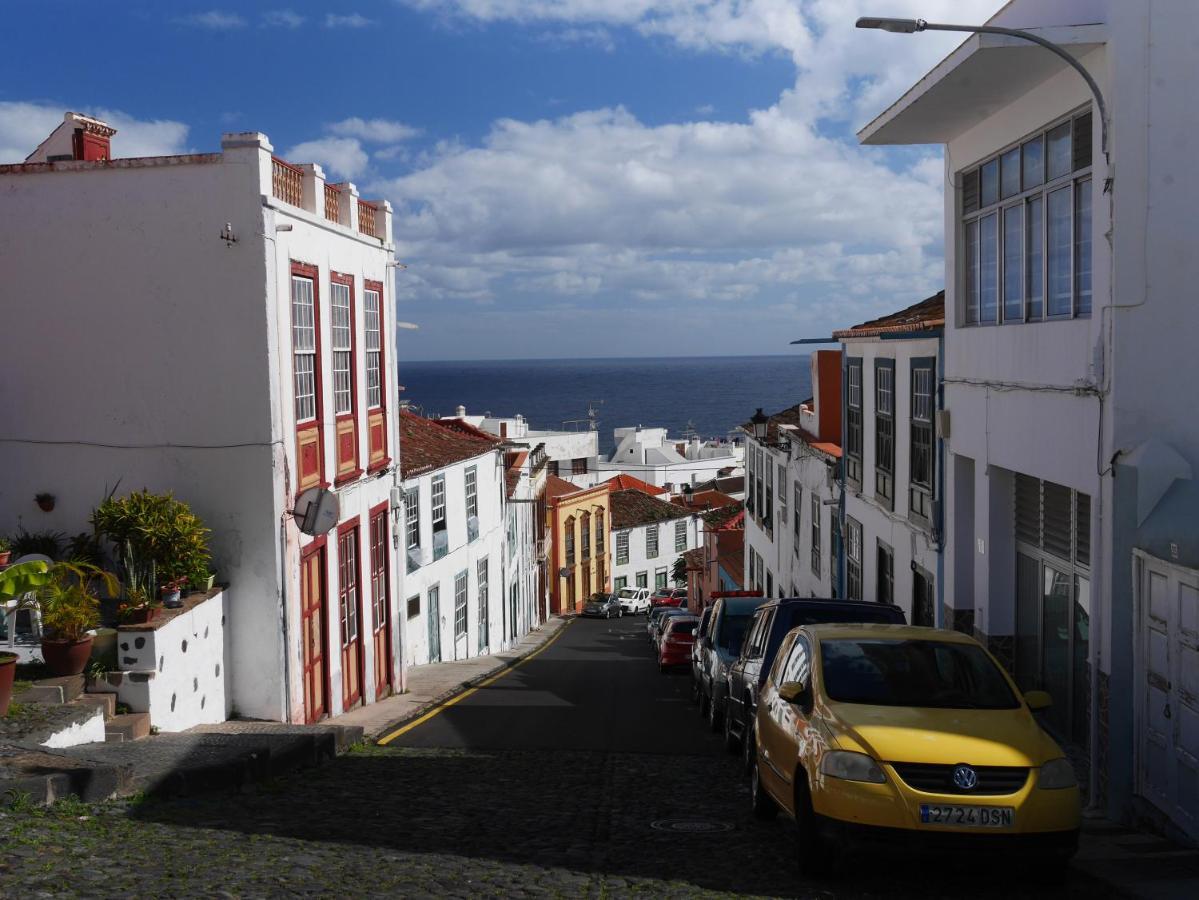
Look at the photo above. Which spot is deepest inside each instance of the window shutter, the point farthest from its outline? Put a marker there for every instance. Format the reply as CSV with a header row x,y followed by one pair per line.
x,y
1082,525
1028,510
970,191
1058,519
1082,142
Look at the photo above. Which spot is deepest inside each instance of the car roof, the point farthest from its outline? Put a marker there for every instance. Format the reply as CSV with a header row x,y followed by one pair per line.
x,y
827,601
892,632
741,604
688,618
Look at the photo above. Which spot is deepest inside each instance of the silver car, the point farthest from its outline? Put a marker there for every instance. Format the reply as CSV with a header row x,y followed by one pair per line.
x,y
603,606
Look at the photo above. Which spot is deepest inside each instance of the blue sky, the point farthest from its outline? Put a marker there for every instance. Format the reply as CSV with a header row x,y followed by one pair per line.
x,y
571,177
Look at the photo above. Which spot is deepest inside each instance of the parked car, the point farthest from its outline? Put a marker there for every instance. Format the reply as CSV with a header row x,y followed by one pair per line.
x,y
603,606
914,736
657,618
668,597
701,632
721,646
678,636
770,624
633,600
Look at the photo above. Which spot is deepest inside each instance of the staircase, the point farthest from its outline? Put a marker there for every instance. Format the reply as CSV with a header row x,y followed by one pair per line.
x,y
69,695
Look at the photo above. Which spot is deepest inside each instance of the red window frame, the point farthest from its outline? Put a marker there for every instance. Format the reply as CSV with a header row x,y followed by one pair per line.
x,y
307,479
350,532
346,452
378,432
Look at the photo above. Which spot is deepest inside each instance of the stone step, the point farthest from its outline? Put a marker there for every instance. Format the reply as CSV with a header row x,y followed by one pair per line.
x,y
106,702
127,727
53,691
71,685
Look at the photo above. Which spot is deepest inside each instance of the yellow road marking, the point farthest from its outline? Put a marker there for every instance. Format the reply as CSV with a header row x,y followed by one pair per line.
x,y
404,729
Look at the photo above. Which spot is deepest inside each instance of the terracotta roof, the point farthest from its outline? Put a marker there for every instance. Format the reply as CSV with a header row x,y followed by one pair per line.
x,y
556,487
623,482
705,500
929,313
633,508
468,429
730,554
429,444
718,518
694,559
788,416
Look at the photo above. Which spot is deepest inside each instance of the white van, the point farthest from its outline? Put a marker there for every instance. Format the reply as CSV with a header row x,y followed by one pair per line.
x,y
633,600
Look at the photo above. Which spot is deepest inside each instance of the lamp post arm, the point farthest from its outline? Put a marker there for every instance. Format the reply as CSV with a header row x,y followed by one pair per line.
x,y
921,25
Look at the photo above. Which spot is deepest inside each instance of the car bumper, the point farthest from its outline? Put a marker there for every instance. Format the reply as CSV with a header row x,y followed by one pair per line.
x,y
674,657
1059,844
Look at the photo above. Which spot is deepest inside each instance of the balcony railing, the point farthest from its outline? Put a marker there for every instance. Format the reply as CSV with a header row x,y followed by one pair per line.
x,y
366,218
332,204
287,182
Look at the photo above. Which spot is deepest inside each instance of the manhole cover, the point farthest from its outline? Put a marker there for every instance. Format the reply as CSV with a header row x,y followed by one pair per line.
x,y
691,826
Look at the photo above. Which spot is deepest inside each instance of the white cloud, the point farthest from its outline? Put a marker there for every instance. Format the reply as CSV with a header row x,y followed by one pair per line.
x,y
373,131
25,125
282,18
213,19
340,157
352,20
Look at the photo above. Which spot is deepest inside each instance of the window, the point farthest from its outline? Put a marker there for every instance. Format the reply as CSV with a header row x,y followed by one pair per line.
x,y
484,588
769,585
472,491
303,347
750,473
651,541
578,466
795,665
460,584
569,528
440,536
924,601
884,432
373,328
620,583
920,492
659,578
853,423
885,588
599,533
815,503
414,606
853,559
347,580
680,535
768,506
585,527
551,467
642,579
343,348
622,548
797,513
412,527
782,491
380,599
1026,227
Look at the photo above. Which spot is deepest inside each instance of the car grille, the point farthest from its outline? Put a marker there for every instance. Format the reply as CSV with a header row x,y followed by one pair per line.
x,y
938,779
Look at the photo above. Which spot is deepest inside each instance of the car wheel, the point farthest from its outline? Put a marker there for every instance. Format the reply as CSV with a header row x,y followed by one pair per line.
x,y
764,807
730,739
816,857
714,717
748,746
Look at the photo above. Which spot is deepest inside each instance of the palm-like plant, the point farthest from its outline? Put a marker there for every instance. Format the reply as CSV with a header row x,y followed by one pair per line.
x,y
68,601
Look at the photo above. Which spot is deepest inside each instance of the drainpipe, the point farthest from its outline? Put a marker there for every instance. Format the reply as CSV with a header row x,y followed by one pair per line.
x,y
839,554
940,505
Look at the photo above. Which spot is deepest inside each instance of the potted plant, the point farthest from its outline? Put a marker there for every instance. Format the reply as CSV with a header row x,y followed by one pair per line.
x,y
172,592
45,501
16,581
5,550
138,608
70,609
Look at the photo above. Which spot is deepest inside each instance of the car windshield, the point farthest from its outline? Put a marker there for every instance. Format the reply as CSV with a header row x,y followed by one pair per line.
x,y
731,633
683,627
628,593
936,674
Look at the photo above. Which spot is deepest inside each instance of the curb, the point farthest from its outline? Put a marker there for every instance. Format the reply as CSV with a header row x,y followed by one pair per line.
x,y
464,686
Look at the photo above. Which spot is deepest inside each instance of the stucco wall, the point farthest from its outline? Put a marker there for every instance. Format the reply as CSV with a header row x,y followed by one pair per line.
x,y
640,562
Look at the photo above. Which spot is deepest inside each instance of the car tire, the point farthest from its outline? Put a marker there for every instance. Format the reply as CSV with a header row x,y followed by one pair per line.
x,y
815,856
748,746
764,808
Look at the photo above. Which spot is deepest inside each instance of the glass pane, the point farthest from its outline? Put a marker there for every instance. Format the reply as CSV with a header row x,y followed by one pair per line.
x,y
1034,162
1055,645
1082,669
971,272
990,180
1010,173
1082,247
988,275
1028,621
1059,162
1036,257
1013,264
1059,221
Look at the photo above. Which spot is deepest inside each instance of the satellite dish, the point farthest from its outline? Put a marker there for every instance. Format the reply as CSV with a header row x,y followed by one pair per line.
x,y
564,572
317,511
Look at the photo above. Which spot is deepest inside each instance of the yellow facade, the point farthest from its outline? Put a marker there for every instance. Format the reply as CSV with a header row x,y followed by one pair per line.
x,y
580,523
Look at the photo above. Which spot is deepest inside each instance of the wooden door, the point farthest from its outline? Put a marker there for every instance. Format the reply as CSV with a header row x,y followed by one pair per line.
x,y
313,628
380,605
350,604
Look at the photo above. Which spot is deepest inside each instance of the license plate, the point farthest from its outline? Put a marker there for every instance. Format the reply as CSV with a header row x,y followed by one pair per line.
x,y
967,816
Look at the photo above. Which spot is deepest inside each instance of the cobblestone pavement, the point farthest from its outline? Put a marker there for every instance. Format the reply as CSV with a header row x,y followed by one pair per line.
x,y
468,821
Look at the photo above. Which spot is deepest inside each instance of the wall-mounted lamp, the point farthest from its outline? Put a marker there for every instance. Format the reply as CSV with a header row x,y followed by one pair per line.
x,y
396,264
760,423
227,235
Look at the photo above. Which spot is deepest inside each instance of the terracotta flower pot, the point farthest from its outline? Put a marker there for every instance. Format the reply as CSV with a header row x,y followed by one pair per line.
x,y
8,671
66,657
5,556
142,615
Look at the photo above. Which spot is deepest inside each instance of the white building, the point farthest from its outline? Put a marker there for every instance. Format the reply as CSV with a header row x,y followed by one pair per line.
x,y
892,527
791,492
217,325
455,540
652,456
570,454
1070,339
527,545
648,537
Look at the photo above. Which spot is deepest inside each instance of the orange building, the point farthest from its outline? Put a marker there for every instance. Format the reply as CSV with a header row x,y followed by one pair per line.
x,y
579,521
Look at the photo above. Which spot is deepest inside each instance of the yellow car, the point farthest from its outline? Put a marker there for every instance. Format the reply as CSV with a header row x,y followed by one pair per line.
x,y
908,735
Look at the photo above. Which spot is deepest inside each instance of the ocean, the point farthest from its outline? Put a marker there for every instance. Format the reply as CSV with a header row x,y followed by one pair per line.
x,y
710,394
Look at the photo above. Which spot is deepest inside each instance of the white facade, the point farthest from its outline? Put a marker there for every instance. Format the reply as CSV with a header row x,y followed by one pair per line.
x,y
436,629
524,552
1070,492
571,455
651,455
674,537
154,297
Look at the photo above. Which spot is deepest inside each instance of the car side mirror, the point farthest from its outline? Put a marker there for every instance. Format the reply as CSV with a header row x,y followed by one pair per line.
x,y
793,691
1038,700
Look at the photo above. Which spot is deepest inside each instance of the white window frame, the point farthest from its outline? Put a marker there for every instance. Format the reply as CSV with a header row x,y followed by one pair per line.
x,y
439,520
680,535
342,344
372,323
303,346
412,517
853,559
461,596
622,548
471,478
651,541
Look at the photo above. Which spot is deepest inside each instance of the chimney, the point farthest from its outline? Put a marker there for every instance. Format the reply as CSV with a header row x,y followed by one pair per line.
x,y
77,137
460,411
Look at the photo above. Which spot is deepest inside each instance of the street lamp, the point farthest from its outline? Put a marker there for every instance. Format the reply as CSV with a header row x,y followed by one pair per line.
x,y
760,423
910,26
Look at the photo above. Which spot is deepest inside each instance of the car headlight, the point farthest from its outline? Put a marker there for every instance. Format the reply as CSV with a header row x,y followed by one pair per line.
x,y
852,767
1056,774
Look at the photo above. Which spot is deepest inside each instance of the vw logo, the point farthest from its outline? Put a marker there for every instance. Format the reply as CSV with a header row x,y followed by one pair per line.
x,y
965,777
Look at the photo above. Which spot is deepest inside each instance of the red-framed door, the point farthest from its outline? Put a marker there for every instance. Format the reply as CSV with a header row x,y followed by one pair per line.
x,y
380,602
314,626
349,601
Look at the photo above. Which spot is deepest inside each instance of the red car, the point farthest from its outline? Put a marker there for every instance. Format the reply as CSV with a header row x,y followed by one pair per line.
x,y
668,597
678,636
